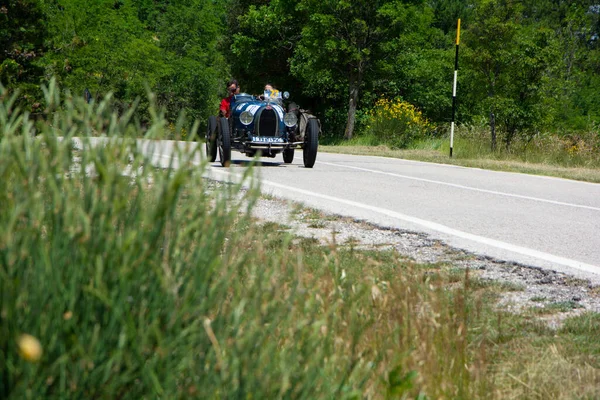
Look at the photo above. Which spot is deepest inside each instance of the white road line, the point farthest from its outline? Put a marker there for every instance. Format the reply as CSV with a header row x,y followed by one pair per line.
x,y
518,196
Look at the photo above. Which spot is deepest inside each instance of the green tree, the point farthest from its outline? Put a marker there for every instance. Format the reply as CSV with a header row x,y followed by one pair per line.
x,y
264,40
103,46
571,89
341,42
509,60
418,64
22,36
188,33
387,48
126,47
447,12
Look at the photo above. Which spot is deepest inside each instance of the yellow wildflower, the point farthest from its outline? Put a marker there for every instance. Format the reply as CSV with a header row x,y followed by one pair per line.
x,y
29,347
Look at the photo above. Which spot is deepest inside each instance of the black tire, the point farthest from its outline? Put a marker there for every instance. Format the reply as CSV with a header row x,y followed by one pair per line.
x,y
211,139
224,142
288,156
311,142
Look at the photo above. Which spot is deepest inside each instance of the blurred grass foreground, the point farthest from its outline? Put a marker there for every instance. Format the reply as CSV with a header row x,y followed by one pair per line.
x,y
157,284
149,285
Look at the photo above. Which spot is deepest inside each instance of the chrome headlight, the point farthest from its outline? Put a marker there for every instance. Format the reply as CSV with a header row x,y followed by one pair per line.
x,y
290,120
246,118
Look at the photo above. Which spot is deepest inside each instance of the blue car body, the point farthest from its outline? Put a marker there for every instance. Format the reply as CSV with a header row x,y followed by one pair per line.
x,y
264,128
261,124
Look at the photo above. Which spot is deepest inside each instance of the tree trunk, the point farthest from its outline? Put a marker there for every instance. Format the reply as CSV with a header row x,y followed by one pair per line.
x,y
353,101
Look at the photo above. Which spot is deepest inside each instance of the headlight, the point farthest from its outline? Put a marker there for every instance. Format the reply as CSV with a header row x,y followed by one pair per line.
x,y
290,120
246,118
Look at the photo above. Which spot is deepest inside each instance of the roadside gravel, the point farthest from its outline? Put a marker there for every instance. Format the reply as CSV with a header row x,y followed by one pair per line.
x,y
532,288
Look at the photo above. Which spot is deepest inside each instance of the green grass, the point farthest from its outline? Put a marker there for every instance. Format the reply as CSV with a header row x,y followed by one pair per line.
x,y
161,285
315,218
557,307
575,157
538,299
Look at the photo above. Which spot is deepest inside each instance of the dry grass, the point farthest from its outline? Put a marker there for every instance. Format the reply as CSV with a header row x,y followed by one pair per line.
x,y
545,372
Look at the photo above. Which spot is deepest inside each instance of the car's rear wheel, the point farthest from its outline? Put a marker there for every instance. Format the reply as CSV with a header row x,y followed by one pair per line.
x,y
224,142
311,143
288,156
211,139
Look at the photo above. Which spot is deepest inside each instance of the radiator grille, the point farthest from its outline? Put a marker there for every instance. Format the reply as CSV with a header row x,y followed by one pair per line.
x,y
267,123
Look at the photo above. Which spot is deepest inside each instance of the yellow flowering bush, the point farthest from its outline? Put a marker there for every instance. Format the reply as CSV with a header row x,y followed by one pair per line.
x,y
396,122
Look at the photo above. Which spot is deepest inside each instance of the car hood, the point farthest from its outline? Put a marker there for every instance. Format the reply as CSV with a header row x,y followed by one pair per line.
x,y
254,106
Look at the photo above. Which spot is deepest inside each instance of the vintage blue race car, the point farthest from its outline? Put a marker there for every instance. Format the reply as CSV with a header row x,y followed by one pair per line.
x,y
262,124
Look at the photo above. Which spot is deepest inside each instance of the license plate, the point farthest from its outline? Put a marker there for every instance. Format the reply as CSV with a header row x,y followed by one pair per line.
x,y
267,139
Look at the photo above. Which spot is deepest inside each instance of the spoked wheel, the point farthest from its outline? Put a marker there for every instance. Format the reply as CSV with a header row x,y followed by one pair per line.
x,y
288,156
224,142
311,143
211,139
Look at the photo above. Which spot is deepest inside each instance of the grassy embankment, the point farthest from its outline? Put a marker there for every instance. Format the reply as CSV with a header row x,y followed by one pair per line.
x,y
156,285
576,157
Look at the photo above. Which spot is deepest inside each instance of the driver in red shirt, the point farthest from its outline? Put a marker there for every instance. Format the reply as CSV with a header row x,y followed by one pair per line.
x,y
232,89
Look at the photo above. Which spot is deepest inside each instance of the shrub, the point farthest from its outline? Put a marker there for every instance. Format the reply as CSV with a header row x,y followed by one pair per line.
x,y
396,123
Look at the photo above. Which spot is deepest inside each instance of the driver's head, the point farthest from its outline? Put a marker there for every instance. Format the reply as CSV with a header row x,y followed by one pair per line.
x,y
268,87
232,87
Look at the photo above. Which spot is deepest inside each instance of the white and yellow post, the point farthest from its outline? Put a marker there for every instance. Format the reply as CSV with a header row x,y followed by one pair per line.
x,y
454,88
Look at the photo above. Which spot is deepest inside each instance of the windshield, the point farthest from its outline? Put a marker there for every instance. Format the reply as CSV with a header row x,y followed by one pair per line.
x,y
272,96
242,98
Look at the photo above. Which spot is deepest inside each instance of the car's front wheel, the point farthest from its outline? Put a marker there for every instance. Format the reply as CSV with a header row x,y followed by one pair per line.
x,y
224,142
288,156
211,139
311,143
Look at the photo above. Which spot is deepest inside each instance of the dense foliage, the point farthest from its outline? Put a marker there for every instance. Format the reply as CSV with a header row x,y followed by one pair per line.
x,y
119,46
534,66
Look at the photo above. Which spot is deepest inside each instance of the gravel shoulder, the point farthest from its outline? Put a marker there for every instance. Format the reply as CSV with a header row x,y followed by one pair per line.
x,y
560,294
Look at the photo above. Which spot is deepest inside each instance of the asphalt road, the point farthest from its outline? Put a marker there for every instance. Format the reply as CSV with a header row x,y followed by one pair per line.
x,y
538,221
